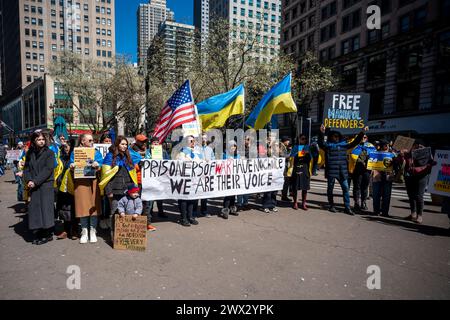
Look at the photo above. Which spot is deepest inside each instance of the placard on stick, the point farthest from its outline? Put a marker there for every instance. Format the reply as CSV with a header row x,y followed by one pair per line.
x,y
402,143
346,112
130,234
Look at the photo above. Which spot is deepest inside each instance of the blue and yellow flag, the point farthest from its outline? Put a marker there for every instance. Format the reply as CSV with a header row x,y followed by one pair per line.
x,y
215,111
277,101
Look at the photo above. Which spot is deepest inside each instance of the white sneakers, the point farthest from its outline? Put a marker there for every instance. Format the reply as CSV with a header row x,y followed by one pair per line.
x,y
92,235
84,236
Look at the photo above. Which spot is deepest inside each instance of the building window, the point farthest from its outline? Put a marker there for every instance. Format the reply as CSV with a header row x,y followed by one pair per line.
x,y
376,68
328,32
405,23
351,21
328,11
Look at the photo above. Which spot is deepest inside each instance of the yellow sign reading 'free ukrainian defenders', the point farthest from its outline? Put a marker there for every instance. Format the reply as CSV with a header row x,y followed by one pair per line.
x,y
346,112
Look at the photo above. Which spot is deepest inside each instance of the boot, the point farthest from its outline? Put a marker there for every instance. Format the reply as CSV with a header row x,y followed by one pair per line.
x,y
92,235
84,236
364,206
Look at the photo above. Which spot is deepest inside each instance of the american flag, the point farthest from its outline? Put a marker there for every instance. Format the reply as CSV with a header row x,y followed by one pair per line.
x,y
178,109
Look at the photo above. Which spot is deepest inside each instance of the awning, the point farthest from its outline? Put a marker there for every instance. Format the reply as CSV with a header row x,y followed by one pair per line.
x,y
437,123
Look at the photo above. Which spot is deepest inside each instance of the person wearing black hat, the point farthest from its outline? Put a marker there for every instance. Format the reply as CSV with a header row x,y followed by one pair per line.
x,y
336,163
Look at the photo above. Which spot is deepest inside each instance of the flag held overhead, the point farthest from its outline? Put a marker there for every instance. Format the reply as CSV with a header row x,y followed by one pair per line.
x,y
277,100
215,111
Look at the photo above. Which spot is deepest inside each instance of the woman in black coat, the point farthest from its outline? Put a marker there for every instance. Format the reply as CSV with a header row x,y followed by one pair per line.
x,y
301,173
38,175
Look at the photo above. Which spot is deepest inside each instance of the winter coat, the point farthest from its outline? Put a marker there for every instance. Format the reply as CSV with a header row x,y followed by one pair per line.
x,y
336,162
39,169
129,205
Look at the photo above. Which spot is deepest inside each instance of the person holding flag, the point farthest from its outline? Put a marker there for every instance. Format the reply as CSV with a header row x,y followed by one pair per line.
x,y
359,173
278,100
179,109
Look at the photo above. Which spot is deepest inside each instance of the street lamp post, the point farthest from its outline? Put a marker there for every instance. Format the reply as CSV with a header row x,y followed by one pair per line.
x,y
309,130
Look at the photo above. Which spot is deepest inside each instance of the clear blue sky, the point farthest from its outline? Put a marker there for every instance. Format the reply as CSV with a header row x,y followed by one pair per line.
x,y
126,23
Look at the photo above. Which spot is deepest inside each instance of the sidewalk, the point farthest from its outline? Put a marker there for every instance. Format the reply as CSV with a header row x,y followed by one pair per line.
x,y
287,255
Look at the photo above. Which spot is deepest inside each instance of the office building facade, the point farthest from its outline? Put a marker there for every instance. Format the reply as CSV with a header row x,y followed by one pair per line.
x,y
403,62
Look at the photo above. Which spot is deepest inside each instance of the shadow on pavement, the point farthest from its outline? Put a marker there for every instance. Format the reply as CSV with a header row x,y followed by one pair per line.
x,y
21,228
19,208
410,226
424,210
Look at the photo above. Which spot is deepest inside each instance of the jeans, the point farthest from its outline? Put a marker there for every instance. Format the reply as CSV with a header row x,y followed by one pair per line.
x,y
187,209
345,191
269,200
147,210
19,189
242,200
381,197
315,166
229,202
286,185
159,204
415,187
86,221
360,186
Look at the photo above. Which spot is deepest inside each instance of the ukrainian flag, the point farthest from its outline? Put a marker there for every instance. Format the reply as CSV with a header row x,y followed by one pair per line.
x,y
215,111
277,101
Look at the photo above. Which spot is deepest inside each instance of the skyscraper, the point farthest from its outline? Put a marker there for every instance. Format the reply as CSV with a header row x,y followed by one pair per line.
x,y
252,19
149,17
201,19
177,41
32,35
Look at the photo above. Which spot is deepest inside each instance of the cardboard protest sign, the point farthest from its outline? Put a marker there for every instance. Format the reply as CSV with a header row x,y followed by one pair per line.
x,y
191,129
13,155
402,143
381,161
103,148
157,152
421,156
188,180
130,234
83,160
346,112
439,182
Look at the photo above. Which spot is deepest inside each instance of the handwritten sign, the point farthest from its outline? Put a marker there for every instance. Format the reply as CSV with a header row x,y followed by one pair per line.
x,y
346,112
440,174
83,160
13,155
191,129
103,148
188,180
421,156
157,152
381,161
130,234
402,143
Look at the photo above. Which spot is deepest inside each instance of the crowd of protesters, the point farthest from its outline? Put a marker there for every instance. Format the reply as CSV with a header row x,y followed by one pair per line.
x,y
44,175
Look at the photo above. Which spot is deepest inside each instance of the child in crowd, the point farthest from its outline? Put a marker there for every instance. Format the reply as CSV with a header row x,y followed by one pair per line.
x,y
130,203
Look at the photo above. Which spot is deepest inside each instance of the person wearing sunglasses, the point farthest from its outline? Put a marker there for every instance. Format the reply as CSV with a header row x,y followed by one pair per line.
x,y
87,193
187,207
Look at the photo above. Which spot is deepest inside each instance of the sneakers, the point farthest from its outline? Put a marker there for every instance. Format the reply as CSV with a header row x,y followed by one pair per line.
x,y
193,222
92,235
233,211
61,236
151,228
274,210
332,209
364,206
103,224
225,213
266,210
419,219
84,236
185,223
349,211
207,215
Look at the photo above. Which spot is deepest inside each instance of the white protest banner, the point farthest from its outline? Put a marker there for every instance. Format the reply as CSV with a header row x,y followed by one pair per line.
x,y
103,148
188,180
439,182
13,155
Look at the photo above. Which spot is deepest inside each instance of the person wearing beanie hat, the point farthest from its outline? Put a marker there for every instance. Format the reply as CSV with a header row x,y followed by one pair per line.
x,y
130,203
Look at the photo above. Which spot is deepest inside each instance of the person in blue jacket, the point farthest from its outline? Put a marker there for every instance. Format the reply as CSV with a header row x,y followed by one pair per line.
x,y
336,164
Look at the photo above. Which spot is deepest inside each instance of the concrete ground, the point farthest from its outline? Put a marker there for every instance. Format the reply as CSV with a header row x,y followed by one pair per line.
x,y
286,255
